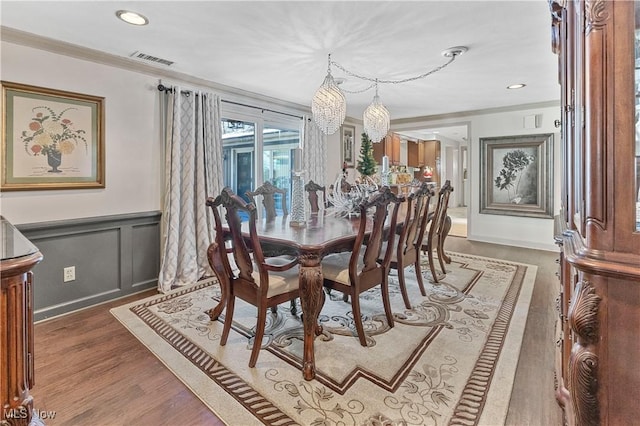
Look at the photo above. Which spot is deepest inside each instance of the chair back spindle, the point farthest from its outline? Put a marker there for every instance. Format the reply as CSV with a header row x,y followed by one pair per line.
x,y
312,189
410,240
362,269
233,205
268,192
438,231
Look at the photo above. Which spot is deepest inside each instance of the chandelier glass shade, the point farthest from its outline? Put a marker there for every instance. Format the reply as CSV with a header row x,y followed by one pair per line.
x,y
376,119
329,106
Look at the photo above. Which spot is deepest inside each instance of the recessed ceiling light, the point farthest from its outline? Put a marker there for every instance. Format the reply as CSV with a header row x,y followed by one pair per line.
x,y
516,86
132,18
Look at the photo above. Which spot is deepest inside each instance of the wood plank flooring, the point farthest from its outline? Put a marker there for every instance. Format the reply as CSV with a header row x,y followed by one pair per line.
x,y
532,399
91,371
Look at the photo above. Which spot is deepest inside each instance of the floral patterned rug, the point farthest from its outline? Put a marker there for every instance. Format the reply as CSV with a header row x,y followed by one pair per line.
x,y
450,359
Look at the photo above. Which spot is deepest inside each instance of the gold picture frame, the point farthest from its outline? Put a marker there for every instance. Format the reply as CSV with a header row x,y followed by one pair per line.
x,y
52,139
347,145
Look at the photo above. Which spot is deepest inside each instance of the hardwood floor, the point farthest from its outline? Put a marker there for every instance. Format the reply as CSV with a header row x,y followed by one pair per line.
x,y
532,399
91,371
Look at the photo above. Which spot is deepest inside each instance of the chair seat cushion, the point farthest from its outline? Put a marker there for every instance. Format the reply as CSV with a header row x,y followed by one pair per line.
x,y
335,267
280,282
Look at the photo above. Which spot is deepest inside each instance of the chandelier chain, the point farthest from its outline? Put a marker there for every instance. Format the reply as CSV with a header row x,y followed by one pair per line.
x,y
358,91
329,104
374,80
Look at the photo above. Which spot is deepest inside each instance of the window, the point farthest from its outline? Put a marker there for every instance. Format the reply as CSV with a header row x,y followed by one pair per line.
x,y
258,147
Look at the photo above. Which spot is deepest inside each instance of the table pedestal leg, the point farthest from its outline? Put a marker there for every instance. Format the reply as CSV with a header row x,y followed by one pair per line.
x,y
311,299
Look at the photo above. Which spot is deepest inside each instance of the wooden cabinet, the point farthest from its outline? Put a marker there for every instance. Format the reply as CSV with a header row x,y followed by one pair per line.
x,y
378,151
598,381
393,148
432,158
16,325
389,146
415,153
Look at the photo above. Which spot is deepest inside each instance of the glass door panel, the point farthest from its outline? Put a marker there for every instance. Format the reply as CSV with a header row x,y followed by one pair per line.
x,y
243,172
250,146
238,150
278,144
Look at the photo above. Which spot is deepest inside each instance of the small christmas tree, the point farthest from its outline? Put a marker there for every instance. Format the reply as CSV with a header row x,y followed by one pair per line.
x,y
367,165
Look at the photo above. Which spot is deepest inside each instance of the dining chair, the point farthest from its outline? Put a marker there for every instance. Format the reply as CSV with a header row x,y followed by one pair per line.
x,y
268,192
312,189
411,235
438,231
360,270
252,278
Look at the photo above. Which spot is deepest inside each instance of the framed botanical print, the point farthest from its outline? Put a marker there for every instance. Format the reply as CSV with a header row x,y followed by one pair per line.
x,y
516,175
51,139
347,145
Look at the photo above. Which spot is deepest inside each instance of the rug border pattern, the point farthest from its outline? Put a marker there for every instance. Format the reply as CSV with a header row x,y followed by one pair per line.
x,y
254,402
467,411
474,395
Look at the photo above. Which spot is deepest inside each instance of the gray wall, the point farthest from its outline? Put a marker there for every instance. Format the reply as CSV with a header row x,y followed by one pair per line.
x,y
114,256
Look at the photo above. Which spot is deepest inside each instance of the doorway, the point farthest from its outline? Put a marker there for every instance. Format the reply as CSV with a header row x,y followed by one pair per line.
x,y
453,165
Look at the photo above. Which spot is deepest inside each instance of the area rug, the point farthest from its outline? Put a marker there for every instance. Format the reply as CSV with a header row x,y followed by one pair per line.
x,y
451,359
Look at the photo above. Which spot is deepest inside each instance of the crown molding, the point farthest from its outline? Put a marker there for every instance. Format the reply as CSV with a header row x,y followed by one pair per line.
x,y
462,114
27,39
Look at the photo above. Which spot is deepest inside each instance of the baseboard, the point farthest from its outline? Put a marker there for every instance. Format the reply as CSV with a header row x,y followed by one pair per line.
x,y
68,312
514,243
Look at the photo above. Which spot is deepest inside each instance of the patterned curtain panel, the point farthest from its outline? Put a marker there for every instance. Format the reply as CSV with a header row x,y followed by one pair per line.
x,y
193,171
314,153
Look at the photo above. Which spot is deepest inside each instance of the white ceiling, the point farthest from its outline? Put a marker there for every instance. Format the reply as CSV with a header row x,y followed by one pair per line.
x,y
279,49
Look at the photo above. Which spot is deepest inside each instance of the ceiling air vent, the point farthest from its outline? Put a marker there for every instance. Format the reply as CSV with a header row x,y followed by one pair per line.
x,y
150,58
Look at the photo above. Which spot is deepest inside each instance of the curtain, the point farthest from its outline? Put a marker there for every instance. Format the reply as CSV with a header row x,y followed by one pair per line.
x,y
193,171
314,153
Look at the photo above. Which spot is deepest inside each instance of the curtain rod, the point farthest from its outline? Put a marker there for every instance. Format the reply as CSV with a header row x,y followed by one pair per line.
x,y
163,88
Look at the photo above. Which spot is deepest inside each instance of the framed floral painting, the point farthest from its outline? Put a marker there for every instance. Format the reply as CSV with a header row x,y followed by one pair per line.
x,y
516,175
51,139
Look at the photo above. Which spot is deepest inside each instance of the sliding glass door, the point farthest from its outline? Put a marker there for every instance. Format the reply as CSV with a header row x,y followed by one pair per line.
x,y
258,149
238,151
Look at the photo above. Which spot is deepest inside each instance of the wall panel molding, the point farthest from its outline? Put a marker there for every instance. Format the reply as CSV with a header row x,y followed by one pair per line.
x,y
114,256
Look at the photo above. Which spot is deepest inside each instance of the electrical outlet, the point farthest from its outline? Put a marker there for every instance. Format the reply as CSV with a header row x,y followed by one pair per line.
x,y
69,273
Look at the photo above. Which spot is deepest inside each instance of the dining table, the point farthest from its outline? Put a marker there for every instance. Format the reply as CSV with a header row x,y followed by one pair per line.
x,y
321,235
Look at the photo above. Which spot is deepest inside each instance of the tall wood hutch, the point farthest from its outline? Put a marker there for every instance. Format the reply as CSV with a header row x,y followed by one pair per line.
x,y
18,257
598,230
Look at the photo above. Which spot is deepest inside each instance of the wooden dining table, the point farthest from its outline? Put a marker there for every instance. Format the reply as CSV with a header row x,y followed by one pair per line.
x,y
322,234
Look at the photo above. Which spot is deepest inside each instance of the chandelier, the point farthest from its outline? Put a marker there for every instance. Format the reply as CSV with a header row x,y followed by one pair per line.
x,y
329,107
329,104
376,119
